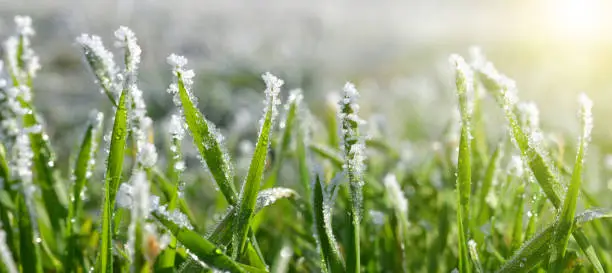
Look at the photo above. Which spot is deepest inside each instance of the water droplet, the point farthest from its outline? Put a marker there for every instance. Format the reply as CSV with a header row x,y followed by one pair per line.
x,y
218,251
38,240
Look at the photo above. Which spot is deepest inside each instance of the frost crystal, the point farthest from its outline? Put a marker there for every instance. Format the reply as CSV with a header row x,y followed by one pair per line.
x,y
5,254
516,166
101,62
396,194
586,116
268,197
176,127
127,40
530,115
273,87
24,25
464,77
181,77
141,126
353,144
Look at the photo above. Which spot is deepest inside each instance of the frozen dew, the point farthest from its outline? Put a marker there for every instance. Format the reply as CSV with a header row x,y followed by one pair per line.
x,y
24,25
353,145
586,115
101,62
127,40
268,197
124,197
516,166
34,129
175,216
177,61
529,114
273,88
176,127
395,194
464,80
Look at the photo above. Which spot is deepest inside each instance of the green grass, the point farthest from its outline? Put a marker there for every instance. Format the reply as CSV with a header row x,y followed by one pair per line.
x,y
318,192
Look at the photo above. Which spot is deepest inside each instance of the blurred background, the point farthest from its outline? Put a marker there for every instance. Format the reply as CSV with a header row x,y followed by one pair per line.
x,y
395,51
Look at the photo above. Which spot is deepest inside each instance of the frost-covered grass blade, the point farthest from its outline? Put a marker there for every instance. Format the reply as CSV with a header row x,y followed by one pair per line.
x,y
82,172
112,180
250,188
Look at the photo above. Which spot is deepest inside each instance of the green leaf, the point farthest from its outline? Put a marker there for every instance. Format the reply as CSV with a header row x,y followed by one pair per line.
x,y
112,179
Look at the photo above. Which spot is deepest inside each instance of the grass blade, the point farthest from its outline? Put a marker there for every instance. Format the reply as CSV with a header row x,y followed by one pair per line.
x,y
293,103
504,91
112,179
327,153
250,188
176,166
29,240
473,248
322,209
200,247
566,215
82,172
487,183
354,156
205,136
536,249
464,168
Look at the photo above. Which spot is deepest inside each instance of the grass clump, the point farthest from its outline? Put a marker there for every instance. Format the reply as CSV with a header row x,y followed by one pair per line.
x,y
320,194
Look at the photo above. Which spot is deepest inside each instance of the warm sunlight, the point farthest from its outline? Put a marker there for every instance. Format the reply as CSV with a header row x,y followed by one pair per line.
x,y
576,19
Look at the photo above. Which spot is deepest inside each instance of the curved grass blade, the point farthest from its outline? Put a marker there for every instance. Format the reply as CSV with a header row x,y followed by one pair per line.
x,y
250,188
102,65
293,103
327,152
222,232
330,255
474,256
464,168
538,248
82,171
112,179
205,136
504,91
200,247
166,259
167,189
44,167
566,215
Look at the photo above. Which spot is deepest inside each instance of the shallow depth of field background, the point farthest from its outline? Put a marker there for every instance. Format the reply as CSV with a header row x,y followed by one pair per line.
x,y
395,51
